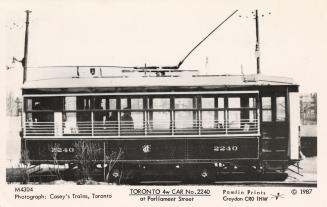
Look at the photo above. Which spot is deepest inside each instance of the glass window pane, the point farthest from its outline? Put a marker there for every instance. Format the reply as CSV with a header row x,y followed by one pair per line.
x,y
266,102
138,120
112,104
113,116
70,103
221,119
183,119
70,119
137,103
42,116
70,123
161,103
252,102
126,121
208,119
103,103
84,102
234,119
29,117
44,103
161,120
29,104
100,116
221,103
84,117
123,103
252,115
100,103
183,103
234,102
207,103
280,109
266,115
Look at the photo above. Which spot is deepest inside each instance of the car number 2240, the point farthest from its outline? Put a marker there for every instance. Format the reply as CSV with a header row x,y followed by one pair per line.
x,y
224,148
62,149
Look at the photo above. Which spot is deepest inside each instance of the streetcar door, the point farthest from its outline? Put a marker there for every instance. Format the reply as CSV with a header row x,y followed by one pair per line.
x,y
274,126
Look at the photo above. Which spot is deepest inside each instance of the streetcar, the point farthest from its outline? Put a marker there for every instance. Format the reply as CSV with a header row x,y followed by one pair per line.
x,y
161,122
165,120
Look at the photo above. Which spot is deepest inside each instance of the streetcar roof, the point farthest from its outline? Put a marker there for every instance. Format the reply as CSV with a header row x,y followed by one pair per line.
x,y
199,80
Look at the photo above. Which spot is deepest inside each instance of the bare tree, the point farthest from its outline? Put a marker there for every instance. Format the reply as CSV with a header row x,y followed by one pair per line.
x,y
54,151
111,160
10,103
25,160
86,155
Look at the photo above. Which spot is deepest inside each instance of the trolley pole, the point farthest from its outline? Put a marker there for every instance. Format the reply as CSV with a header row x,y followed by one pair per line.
x,y
25,58
257,47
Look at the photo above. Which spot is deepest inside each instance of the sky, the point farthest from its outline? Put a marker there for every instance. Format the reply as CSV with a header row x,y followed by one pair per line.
x,y
134,33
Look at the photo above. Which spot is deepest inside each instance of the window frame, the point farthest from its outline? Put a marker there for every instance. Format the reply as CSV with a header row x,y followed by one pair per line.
x,y
270,109
285,109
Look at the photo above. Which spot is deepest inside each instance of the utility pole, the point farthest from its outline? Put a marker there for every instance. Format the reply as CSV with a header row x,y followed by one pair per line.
x,y
257,47
24,61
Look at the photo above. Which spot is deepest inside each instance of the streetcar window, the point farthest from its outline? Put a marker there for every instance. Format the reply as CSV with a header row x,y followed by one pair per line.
x,y
252,102
266,109
29,104
221,103
84,102
113,115
44,103
234,116
234,119
39,117
70,103
29,117
105,120
101,103
124,103
70,118
266,115
161,103
266,102
251,114
280,109
84,116
160,119
137,103
100,117
129,117
183,103
42,108
234,102
112,104
183,119
208,117
221,119
207,103
221,114
138,116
